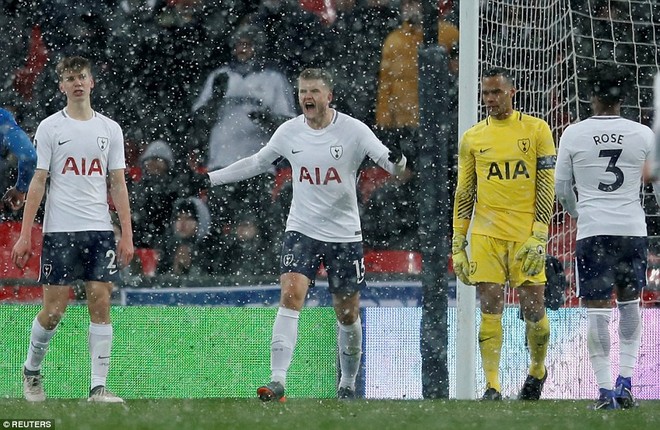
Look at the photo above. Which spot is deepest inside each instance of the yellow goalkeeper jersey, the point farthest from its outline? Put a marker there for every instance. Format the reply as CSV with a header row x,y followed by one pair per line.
x,y
506,176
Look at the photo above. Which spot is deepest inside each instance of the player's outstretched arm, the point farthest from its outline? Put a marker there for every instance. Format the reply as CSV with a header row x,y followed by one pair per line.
x,y
243,169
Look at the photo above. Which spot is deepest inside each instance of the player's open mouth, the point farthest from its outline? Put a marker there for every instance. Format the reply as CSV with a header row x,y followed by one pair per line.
x,y
309,105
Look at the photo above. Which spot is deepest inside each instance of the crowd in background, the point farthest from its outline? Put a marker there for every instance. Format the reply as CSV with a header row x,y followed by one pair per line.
x,y
199,84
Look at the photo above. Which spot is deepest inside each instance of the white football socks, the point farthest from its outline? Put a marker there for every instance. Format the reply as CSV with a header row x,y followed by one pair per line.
x,y
100,344
350,352
598,345
39,340
630,336
285,336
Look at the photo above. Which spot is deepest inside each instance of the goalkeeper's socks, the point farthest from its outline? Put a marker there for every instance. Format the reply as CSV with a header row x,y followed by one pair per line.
x,y
490,345
350,352
285,336
630,335
538,337
39,340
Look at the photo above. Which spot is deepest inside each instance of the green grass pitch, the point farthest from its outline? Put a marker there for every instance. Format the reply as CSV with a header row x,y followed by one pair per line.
x,y
312,414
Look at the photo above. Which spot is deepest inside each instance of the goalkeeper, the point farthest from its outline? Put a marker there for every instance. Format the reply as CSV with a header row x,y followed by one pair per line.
x,y
506,189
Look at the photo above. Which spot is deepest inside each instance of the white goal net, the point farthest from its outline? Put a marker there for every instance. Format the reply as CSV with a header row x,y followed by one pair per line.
x,y
549,45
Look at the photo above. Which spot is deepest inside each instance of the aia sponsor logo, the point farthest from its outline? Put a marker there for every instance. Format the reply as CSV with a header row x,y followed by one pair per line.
x,y
508,170
82,167
318,176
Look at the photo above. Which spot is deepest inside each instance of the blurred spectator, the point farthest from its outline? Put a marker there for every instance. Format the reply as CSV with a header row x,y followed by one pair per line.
x,y
15,28
188,246
294,37
362,31
239,107
168,58
243,240
390,216
397,105
24,57
153,196
63,21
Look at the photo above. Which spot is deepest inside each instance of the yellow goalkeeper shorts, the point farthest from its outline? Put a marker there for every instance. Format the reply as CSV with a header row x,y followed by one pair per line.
x,y
494,260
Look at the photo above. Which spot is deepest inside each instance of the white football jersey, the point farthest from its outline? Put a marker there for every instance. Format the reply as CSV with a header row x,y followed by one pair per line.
x,y
324,165
78,155
605,155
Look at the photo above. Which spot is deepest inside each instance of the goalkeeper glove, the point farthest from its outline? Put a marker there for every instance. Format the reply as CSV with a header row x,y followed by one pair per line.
x,y
532,253
459,258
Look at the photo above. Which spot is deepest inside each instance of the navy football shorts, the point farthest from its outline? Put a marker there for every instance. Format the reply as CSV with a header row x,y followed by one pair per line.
x,y
607,262
343,261
82,255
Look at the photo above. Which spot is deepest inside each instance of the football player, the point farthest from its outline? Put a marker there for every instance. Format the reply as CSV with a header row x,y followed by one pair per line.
x,y
606,157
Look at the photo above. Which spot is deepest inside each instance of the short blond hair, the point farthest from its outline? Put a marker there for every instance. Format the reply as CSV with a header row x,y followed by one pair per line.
x,y
321,74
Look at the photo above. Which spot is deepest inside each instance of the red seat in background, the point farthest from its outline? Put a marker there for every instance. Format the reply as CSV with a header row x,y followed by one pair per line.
x,y
9,233
370,179
148,259
393,261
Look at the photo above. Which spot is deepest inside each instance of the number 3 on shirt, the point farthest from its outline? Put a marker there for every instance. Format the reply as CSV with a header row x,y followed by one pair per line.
x,y
613,155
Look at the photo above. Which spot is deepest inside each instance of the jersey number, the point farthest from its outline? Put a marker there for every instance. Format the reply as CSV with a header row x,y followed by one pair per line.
x,y
613,155
112,264
360,269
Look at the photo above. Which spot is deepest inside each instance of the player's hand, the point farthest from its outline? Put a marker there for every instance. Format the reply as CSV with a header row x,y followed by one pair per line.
x,y
459,258
13,199
21,252
533,253
395,154
125,251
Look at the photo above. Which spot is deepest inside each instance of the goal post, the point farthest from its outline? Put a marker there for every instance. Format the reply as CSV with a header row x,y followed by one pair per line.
x,y
468,77
549,46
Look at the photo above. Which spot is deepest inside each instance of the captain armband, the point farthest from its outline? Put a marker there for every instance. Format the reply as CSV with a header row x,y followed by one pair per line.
x,y
546,162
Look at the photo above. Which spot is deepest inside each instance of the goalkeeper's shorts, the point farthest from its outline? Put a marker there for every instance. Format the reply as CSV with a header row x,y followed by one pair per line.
x,y
494,260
